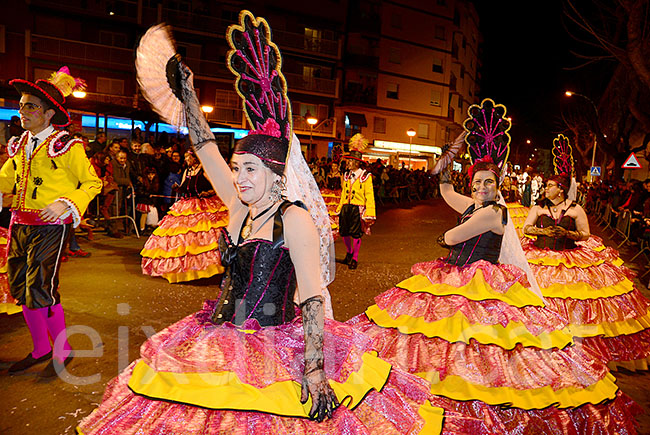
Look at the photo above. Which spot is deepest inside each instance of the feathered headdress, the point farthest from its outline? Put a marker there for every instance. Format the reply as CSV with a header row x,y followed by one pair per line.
x,y
563,165
487,133
53,91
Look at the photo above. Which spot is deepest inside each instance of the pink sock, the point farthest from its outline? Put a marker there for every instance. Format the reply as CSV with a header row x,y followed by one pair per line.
x,y
56,328
348,244
35,319
356,244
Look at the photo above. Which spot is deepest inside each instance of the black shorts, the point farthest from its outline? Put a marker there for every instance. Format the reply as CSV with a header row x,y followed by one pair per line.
x,y
350,221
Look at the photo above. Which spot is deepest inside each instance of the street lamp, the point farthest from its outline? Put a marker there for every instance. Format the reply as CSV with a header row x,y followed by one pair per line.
x,y
207,110
312,121
410,132
593,154
79,94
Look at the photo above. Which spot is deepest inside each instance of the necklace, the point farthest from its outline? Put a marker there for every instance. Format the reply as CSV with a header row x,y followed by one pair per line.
x,y
248,227
556,206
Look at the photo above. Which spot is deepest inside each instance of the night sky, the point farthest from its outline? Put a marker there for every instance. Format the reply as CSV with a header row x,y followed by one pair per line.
x,y
526,56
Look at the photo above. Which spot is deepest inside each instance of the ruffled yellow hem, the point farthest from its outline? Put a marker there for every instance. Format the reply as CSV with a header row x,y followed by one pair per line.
x,y
477,290
180,251
433,418
634,365
224,390
611,329
546,261
584,291
9,308
201,226
457,328
3,268
454,387
194,211
190,275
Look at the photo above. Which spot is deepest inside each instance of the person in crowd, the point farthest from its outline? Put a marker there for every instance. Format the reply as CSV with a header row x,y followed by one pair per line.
x,y
54,196
146,193
15,128
112,149
122,175
98,144
272,247
184,247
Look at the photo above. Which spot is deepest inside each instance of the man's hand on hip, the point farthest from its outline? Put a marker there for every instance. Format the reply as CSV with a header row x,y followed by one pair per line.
x,y
53,211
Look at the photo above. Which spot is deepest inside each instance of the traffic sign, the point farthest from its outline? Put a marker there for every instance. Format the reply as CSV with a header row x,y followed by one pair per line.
x,y
595,171
631,163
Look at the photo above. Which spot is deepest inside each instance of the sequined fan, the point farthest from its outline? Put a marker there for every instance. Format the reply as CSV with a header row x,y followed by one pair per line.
x,y
156,63
255,60
487,132
563,156
449,151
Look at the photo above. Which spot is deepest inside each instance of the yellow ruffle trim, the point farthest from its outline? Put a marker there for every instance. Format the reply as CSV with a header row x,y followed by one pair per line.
x,y
477,290
190,212
224,390
457,328
584,291
633,366
190,275
611,329
180,251
546,261
3,268
433,418
10,308
454,387
204,225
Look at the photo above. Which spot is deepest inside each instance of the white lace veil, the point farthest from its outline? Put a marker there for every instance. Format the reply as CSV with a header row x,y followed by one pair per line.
x,y
301,186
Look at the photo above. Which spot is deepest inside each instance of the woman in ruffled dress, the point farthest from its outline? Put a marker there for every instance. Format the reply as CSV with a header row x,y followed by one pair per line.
x,y
184,247
473,326
248,362
584,281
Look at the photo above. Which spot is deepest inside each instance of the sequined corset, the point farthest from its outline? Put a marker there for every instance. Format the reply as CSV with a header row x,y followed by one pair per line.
x,y
259,282
559,243
486,246
194,185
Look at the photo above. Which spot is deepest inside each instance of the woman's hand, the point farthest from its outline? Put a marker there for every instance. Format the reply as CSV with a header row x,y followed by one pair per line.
x,y
323,399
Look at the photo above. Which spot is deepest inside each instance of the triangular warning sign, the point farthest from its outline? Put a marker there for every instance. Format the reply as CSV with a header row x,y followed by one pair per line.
x,y
631,163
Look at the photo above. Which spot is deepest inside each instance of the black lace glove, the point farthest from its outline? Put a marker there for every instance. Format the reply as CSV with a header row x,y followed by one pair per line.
x,y
445,175
314,381
441,241
197,125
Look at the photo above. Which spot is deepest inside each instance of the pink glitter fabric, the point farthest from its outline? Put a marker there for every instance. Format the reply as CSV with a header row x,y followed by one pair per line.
x,y
620,322
492,370
184,246
7,302
259,357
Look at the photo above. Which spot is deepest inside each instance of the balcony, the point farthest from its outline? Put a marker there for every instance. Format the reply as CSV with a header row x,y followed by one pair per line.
x,y
124,10
209,68
298,41
191,21
313,85
326,128
64,51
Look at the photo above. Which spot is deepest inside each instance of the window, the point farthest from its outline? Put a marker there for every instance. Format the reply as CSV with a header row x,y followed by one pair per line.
x,y
394,55
392,91
396,21
312,39
437,65
423,131
462,71
435,98
114,39
2,39
380,125
440,33
460,102
106,85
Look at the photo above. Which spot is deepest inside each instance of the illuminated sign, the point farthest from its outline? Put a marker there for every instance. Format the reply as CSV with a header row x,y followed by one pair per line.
x,y
406,147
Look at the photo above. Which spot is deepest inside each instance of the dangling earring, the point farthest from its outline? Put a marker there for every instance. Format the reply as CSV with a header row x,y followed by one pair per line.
x,y
498,197
277,190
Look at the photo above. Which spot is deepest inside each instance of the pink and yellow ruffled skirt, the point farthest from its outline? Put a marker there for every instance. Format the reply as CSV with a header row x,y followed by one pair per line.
x,y
489,347
184,247
332,198
7,302
199,378
591,288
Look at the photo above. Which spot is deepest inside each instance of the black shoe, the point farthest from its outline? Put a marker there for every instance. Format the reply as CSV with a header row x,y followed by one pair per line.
x,y
54,367
353,264
28,362
347,259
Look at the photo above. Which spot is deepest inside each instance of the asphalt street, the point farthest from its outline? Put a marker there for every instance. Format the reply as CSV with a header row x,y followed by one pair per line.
x,y
111,308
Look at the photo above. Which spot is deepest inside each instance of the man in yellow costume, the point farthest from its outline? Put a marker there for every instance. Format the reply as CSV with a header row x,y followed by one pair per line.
x,y
356,209
53,182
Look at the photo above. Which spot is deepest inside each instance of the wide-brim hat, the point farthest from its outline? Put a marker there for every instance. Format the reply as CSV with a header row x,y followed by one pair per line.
x,y
354,155
47,92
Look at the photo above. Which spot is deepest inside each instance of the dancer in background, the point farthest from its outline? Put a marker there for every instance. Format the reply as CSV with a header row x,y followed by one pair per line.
x,y
249,362
356,209
185,245
472,325
580,278
54,182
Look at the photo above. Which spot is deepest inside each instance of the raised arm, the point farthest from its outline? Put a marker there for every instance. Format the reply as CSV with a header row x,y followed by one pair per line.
x,y
455,200
301,237
484,220
216,168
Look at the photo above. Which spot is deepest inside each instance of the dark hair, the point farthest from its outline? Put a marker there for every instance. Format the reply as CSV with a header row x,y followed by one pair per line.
x,y
484,166
562,181
270,149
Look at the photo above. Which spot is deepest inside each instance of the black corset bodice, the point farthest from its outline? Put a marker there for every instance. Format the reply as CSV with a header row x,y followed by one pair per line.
x,y
486,246
555,243
259,282
194,185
